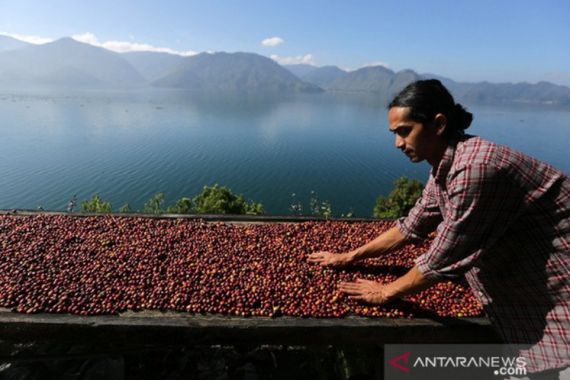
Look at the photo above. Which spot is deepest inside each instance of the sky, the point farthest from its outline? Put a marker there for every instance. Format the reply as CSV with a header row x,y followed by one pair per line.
x,y
476,40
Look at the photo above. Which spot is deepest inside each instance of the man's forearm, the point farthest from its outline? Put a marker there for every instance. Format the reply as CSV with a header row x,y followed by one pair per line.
x,y
410,283
387,242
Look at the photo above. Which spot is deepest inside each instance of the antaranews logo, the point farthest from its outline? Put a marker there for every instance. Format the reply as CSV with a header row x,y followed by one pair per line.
x,y
401,362
410,364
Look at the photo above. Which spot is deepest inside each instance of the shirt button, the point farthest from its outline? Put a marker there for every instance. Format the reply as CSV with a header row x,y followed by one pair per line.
x,y
480,293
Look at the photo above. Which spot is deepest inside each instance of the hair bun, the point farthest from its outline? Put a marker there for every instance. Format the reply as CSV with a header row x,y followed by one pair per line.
x,y
427,98
462,118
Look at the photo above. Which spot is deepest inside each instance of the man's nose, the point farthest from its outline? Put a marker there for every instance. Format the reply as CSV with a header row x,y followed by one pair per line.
x,y
399,142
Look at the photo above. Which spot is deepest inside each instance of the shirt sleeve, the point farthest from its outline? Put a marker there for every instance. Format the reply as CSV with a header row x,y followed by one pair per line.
x,y
424,217
481,203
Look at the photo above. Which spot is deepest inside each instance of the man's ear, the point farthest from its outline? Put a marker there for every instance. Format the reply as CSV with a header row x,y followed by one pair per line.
x,y
440,123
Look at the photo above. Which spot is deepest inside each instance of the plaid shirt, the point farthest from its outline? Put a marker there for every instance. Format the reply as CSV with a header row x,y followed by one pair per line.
x,y
503,221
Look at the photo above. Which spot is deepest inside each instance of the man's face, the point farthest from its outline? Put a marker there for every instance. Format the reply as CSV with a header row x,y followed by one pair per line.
x,y
417,141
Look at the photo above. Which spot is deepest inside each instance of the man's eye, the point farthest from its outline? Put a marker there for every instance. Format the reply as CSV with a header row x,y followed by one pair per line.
x,y
403,132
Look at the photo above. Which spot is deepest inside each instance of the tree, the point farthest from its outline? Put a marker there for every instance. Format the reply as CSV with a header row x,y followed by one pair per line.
x,y
220,200
182,206
96,204
400,201
154,205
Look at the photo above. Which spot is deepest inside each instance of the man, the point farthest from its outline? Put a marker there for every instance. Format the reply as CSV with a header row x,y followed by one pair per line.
x,y
502,221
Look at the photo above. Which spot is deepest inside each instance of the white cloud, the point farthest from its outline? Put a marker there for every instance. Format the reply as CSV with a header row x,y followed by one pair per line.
x,y
87,38
305,59
31,39
273,41
376,63
127,46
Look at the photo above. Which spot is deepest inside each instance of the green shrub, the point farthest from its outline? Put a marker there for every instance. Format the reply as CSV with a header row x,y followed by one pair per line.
x,y
220,200
96,204
182,206
401,199
154,205
125,209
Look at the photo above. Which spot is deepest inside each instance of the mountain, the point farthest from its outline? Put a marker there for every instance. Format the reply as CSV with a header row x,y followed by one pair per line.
x,y
367,79
233,72
375,79
320,76
9,43
152,65
380,80
72,64
301,69
401,80
324,76
509,93
67,63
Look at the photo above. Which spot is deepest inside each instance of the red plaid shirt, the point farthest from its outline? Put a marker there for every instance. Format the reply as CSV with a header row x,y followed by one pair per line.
x,y
503,221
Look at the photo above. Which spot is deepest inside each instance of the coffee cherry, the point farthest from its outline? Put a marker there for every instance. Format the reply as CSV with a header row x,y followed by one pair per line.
x,y
108,264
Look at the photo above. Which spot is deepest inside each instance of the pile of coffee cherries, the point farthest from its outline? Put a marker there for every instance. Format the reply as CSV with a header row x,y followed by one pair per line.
x,y
111,264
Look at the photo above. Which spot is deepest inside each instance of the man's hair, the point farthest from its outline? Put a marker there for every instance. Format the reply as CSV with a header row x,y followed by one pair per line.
x,y
427,98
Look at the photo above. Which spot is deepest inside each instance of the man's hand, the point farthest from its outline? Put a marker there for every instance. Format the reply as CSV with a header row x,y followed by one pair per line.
x,y
367,291
329,259
387,242
376,293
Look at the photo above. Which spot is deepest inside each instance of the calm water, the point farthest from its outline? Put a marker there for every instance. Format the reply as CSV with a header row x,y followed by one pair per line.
x,y
129,146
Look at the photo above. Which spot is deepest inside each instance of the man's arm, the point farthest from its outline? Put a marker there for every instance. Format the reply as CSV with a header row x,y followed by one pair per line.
x,y
422,219
371,291
376,293
387,242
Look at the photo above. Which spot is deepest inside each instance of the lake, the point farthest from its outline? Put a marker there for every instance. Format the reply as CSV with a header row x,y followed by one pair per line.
x,y
128,146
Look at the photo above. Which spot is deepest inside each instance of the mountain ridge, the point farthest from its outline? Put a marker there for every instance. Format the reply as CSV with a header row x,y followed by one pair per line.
x,y
70,63
105,67
233,72
11,43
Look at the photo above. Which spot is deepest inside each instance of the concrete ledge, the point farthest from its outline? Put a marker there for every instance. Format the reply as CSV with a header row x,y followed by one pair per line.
x,y
170,328
206,217
181,328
